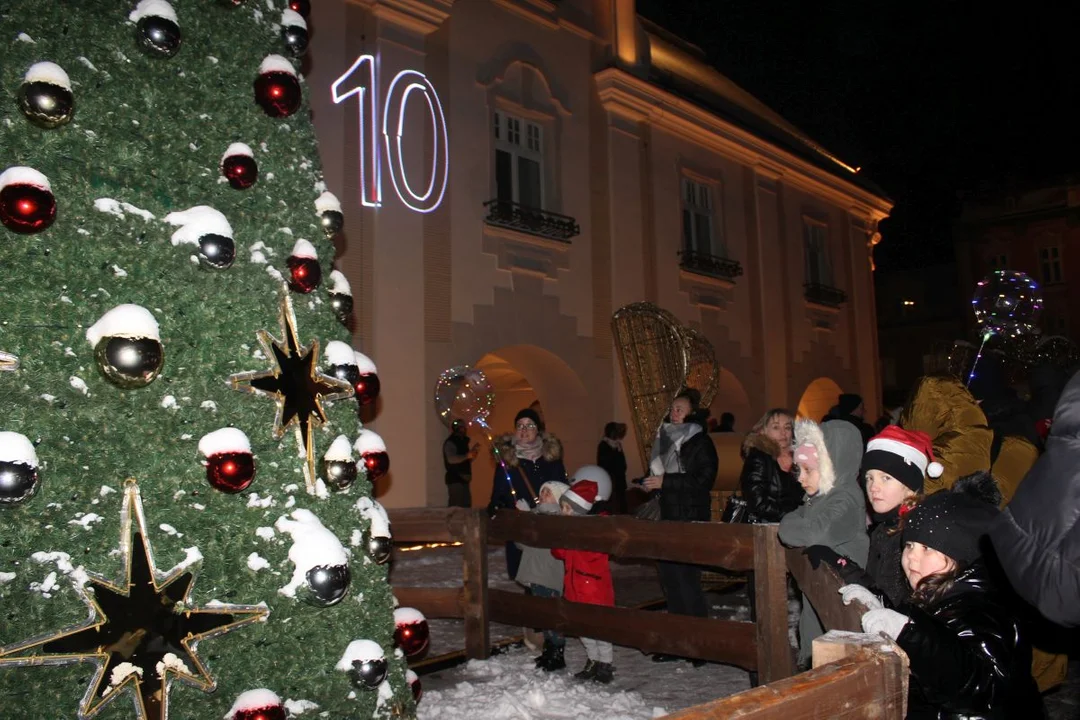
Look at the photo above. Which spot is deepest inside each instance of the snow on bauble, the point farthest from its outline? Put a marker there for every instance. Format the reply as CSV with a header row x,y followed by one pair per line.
x,y
208,229
367,389
294,32
305,273
45,96
258,704
341,362
378,531
127,346
372,451
341,299
328,208
321,566
277,89
365,663
411,633
238,166
27,204
339,283
18,469
338,464
230,465
414,684
157,28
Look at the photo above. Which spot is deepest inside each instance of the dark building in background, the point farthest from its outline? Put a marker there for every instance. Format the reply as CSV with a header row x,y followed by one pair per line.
x,y
1035,230
920,314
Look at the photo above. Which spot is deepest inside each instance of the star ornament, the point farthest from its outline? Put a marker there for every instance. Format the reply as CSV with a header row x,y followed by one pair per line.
x,y
141,632
295,384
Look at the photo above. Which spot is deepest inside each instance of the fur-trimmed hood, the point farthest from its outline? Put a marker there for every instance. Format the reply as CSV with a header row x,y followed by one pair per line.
x,y
839,447
551,451
762,442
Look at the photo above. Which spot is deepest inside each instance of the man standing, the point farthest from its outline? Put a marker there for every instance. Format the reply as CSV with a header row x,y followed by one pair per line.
x,y
457,458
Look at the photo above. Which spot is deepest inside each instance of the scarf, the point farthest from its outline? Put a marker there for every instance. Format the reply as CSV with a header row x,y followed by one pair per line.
x,y
529,451
669,441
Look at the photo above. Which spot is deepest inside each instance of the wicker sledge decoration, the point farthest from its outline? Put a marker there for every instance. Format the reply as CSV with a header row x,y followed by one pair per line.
x,y
659,358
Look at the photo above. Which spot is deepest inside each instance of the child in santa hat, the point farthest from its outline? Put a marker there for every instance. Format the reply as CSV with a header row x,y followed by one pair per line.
x,y
587,575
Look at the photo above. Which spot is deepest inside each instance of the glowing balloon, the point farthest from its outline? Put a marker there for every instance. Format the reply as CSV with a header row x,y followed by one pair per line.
x,y
1007,303
463,393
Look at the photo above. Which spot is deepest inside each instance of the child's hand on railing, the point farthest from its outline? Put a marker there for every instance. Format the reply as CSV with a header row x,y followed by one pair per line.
x,y
858,592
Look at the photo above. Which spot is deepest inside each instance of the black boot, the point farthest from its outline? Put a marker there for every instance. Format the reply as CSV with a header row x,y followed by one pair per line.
x,y
588,672
542,658
603,673
555,660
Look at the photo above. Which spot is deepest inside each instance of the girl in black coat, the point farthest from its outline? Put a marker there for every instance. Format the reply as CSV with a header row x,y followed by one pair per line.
x,y
969,655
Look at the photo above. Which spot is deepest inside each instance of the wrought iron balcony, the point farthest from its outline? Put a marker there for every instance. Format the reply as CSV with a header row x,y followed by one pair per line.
x,y
534,221
824,295
711,265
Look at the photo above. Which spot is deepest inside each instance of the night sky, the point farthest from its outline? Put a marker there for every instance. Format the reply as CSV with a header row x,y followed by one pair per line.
x,y
930,99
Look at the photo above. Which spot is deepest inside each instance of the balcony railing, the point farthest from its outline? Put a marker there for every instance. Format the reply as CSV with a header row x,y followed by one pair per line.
x,y
711,265
824,295
515,216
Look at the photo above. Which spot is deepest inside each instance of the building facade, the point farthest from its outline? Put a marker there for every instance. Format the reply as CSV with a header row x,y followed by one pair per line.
x,y
591,160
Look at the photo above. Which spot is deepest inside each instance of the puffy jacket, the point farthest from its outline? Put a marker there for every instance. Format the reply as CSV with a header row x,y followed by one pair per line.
x,y
883,574
1037,537
685,495
969,656
549,466
836,516
943,409
586,577
770,493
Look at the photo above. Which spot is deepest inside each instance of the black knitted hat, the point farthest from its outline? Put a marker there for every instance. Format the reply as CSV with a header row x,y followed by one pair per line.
x,y
954,521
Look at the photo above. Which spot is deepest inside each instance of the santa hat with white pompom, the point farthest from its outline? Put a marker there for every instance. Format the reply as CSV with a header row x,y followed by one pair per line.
x,y
907,455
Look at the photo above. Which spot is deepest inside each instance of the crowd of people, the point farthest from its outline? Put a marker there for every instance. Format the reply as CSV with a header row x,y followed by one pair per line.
x,y
908,513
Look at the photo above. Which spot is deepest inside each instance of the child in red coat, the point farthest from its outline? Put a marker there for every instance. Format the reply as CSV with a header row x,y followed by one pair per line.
x,y
587,579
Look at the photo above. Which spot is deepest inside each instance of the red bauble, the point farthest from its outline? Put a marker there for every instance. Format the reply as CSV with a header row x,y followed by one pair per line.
x,y
278,93
411,632
301,6
270,712
376,464
414,684
230,472
305,273
367,388
240,170
26,208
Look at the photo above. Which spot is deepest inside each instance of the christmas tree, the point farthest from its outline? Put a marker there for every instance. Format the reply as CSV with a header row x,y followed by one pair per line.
x,y
187,527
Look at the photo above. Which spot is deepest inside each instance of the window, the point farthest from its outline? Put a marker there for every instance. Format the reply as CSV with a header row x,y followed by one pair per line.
x,y
699,219
815,241
1050,262
519,160
998,262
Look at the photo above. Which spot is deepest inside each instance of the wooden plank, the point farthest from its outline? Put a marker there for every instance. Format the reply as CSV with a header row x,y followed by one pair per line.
x,y
475,595
838,645
424,525
434,602
704,543
822,587
770,585
717,640
868,688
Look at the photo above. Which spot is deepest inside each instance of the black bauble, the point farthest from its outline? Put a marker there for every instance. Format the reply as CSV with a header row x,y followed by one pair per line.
x,y
158,35
295,38
368,674
348,373
379,548
332,222
326,585
18,482
216,252
45,104
340,474
342,305
130,362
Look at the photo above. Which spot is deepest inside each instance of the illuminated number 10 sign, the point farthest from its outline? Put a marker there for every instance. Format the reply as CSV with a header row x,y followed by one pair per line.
x,y
361,80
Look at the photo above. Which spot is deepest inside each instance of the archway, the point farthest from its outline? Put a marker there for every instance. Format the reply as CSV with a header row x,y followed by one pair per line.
x,y
731,397
818,398
522,375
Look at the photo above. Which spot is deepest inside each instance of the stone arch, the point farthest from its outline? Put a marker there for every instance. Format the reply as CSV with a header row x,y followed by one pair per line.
x,y
731,397
818,398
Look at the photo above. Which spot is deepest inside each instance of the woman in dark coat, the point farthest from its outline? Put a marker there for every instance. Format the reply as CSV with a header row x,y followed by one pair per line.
x,y
610,456
683,466
531,458
766,481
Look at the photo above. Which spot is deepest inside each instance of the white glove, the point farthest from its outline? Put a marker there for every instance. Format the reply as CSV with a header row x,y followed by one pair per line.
x,y
522,504
858,592
885,621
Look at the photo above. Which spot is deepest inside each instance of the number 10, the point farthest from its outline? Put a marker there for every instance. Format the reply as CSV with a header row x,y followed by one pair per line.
x,y
365,88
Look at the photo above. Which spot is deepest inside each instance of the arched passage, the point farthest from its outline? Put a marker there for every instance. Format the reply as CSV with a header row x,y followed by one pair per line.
x,y
522,375
818,398
731,397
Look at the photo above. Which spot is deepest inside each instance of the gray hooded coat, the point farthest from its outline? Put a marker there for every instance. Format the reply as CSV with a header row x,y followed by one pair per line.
x,y
836,515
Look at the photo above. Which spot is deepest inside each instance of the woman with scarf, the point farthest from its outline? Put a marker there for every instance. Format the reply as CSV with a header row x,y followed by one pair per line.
x,y
683,467
524,461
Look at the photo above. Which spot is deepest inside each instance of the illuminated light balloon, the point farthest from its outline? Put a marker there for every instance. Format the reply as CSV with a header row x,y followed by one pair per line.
x,y
1007,303
463,393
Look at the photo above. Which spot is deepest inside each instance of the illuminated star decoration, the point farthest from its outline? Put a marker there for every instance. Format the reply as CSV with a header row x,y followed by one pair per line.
x,y
295,385
8,361
141,631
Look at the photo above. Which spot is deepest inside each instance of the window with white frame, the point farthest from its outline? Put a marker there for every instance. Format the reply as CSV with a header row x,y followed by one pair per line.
x,y
816,250
519,160
701,219
1050,263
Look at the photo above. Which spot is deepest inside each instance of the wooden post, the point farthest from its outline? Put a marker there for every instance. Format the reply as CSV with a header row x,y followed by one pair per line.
x,y
770,584
475,597
839,645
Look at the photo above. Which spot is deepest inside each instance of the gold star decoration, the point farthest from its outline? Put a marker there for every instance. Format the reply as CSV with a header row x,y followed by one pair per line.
x,y
295,384
141,631
8,361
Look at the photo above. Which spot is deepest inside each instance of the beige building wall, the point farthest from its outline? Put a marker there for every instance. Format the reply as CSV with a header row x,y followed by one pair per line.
x,y
446,288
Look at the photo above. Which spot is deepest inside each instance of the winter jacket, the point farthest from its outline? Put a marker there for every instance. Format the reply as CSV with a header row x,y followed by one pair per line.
x,y
587,577
537,566
770,493
1037,537
969,656
685,494
836,515
943,409
883,573
614,461
549,466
